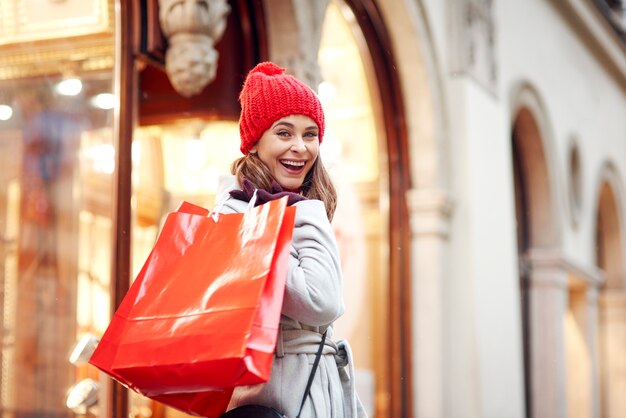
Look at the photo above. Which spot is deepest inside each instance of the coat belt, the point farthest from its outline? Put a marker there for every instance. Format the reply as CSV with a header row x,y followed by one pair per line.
x,y
301,341
298,341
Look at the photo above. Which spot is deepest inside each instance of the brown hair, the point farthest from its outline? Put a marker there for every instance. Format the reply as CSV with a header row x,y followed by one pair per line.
x,y
316,185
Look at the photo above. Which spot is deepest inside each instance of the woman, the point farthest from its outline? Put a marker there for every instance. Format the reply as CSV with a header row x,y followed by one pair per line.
x,y
281,127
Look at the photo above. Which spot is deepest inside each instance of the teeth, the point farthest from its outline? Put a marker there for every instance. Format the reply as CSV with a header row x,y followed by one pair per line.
x,y
294,163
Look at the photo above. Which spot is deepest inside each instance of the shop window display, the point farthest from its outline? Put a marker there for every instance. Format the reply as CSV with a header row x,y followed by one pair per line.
x,y
56,184
57,158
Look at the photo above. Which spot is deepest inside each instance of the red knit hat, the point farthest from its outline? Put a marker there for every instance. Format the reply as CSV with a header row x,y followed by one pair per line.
x,y
268,95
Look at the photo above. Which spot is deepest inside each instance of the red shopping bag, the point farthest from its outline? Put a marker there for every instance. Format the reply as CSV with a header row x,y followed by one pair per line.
x,y
202,315
209,404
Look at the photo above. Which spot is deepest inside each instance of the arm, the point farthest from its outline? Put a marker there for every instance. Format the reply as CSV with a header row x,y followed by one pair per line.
x,y
313,295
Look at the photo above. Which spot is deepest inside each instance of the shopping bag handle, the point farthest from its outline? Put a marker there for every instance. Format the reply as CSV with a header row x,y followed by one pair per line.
x,y
215,212
252,201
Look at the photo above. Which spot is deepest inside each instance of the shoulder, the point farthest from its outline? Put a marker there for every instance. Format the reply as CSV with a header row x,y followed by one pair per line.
x,y
311,208
312,214
224,203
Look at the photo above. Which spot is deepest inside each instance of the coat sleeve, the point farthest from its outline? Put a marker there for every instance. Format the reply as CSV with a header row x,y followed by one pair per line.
x,y
313,295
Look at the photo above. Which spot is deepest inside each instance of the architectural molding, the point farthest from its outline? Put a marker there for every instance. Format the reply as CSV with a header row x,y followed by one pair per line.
x,y
614,299
91,30
596,33
22,21
430,211
540,260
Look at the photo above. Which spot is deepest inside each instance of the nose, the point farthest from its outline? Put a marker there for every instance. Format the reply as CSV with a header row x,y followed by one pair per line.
x,y
298,144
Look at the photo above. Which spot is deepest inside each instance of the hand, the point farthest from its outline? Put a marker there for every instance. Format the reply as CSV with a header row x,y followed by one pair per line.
x,y
262,195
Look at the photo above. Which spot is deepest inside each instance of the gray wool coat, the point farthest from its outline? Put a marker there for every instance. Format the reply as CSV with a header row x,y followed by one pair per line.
x,y
313,301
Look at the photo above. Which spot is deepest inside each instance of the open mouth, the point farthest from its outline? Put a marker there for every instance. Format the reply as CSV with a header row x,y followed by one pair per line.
x,y
293,166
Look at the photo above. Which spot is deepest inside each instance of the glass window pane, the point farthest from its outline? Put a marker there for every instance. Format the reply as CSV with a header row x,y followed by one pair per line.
x,y
57,156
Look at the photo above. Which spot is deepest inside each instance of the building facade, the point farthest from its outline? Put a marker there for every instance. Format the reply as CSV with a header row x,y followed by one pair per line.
x,y
479,152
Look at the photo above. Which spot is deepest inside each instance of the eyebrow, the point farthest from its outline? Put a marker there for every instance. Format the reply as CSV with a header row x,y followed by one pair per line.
x,y
291,125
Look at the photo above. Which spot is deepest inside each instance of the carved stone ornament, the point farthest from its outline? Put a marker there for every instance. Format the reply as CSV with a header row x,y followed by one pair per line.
x,y
474,36
192,27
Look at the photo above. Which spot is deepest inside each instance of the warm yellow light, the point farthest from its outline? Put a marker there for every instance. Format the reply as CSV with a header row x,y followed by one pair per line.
x,y
345,94
101,157
196,154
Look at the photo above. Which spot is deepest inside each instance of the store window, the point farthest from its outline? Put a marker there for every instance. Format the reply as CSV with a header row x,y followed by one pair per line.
x,y
57,156
180,161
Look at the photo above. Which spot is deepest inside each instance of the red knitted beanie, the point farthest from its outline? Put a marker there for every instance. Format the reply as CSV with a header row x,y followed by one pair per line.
x,y
268,95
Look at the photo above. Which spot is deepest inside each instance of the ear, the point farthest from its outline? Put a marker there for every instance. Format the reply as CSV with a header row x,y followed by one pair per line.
x,y
254,149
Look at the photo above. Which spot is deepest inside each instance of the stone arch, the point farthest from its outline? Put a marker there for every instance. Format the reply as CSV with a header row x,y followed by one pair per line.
x,y
419,70
533,143
424,176
609,253
543,281
429,203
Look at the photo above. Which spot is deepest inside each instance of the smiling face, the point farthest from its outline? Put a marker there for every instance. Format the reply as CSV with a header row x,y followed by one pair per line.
x,y
289,148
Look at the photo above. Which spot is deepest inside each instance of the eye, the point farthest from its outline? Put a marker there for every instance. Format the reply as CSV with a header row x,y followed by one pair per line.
x,y
283,133
310,134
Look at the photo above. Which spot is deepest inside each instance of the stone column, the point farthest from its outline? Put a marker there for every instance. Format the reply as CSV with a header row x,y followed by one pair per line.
x,y
295,33
580,336
430,212
592,337
548,303
613,352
